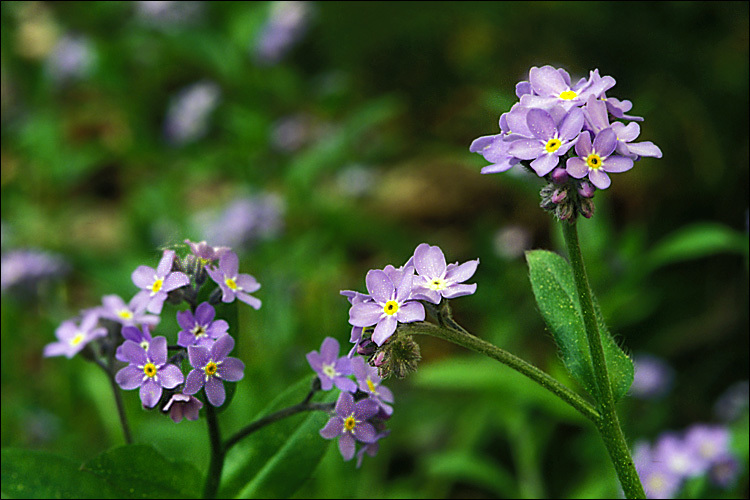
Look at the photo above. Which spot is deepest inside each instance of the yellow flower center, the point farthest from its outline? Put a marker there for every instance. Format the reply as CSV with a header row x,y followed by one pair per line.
x,y
77,339
391,307
144,344
329,371
350,423
125,314
656,483
231,283
553,145
568,95
370,385
594,161
437,284
150,370
157,285
211,368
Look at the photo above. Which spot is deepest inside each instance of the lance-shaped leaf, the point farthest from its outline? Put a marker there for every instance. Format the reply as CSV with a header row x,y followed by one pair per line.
x,y
555,292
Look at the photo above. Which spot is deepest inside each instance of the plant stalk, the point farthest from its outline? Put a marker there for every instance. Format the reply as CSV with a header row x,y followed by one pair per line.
x,y
608,424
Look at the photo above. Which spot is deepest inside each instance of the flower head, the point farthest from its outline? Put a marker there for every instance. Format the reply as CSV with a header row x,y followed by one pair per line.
x,y
211,367
232,283
390,305
142,337
595,160
368,381
71,338
149,370
155,284
349,423
200,328
205,253
436,279
182,405
131,314
332,369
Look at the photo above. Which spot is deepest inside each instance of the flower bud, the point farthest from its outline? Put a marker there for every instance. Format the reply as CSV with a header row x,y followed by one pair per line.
x,y
559,176
558,196
564,211
586,189
587,207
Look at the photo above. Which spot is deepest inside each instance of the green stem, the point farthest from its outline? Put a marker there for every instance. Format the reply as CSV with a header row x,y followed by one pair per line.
x,y
213,477
608,424
109,369
456,334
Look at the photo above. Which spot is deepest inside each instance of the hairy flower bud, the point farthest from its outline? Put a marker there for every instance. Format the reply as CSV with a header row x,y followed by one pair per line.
x,y
398,357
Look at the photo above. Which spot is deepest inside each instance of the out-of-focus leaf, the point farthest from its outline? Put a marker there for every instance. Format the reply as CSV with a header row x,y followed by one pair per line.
x,y
476,470
276,460
695,241
555,293
38,474
139,471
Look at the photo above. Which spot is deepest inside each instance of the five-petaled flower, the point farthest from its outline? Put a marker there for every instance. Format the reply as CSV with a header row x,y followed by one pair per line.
x,y
156,283
350,423
182,405
597,159
200,328
211,367
233,284
435,279
331,369
369,383
149,370
71,338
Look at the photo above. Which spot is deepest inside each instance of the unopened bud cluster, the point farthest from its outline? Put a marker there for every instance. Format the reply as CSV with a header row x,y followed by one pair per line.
x,y
566,197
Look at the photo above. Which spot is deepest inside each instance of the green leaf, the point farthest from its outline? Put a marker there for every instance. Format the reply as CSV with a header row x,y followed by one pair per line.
x,y
695,241
39,474
139,471
275,461
557,298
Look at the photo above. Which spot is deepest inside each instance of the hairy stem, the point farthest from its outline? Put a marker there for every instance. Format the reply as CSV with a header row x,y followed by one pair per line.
x,y
608,424
453,332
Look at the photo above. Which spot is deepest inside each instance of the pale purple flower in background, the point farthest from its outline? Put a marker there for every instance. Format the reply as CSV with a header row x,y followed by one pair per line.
x,y
287,23
182,405
243,222
550,140
435,279
595,160
234,285
189,111
71,59
391,305
330,368
657,479
211,367
155,284
355,180
511,242
200,328
678,455
290,133
653,377
349,423
148,370
131,314
725,471
711,442
733,402
369,381
23,271
72,338
141,336
168,13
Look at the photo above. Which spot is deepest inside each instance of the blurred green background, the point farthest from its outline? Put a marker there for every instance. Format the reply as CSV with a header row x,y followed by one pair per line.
x,y
337,144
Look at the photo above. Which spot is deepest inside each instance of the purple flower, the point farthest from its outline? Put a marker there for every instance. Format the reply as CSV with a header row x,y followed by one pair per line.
x,y
390,305
142,337
149,370
628,133
71,338
369,383
350,423
70,59
211,367
724,471
356,335
286,24
436,280
206,253
552,86
595,160
653,377
710,442
678,455
233,284
331,369
23,270
182,405
156,283
549,142
131,314
200,328
187,117
657,479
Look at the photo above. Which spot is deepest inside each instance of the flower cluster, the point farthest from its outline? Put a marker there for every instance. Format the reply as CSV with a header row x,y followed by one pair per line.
x,y
675,458
395,295
125,329
563,132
